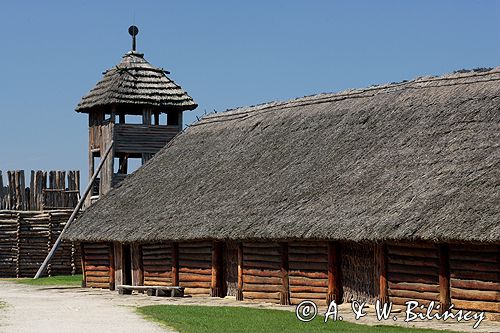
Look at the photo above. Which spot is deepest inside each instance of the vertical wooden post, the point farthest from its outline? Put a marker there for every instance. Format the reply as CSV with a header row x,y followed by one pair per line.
x,y
84,271
381,263
216,286
334,274
175,264
121,118
444,277
285,292
112,275
137,270
239,291
157,117
118,263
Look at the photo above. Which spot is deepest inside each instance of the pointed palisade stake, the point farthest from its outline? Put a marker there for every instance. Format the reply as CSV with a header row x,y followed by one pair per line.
x,y
52,252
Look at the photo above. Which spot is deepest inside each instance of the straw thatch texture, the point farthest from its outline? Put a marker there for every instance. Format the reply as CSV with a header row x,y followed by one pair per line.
x,y
135,81
414,160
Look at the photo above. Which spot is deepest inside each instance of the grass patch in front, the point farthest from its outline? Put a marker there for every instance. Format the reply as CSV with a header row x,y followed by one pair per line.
x,y
208,319
61,280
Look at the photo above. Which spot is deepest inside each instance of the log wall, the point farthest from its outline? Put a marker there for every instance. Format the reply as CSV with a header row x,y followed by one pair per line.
x,y
157,264
475,277
195,267
358,271
27,237
413,272
308,275
262,276
98,265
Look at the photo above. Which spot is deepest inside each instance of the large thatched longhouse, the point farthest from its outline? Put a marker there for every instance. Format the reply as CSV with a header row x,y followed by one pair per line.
x,y
390,192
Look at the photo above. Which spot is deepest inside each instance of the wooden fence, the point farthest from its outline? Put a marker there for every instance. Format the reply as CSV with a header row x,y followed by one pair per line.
x,y
26,238
47,190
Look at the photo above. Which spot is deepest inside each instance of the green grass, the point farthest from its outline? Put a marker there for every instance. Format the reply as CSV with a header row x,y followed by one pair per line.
x,y
62,280
205,319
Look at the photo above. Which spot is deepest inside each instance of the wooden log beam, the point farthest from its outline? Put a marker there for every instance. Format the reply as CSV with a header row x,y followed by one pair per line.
x,y
216,284
175,264
118,263
285,292
239,291
84,271
137,267
444,277
381,263
112,277
334,274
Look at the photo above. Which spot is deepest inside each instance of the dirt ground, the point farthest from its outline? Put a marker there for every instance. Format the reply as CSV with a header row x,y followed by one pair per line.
x,y
72,309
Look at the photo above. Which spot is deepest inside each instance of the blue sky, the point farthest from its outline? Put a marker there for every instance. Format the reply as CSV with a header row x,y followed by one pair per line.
x,y
224,53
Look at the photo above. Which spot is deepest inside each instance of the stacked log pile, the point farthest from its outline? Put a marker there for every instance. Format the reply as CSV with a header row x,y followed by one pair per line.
x,y
262,276
157,264
308,276
475,277
27,237
98,265
195,267
413,272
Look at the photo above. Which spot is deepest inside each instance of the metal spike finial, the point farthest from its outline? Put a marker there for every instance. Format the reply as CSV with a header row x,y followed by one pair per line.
x,y
133,31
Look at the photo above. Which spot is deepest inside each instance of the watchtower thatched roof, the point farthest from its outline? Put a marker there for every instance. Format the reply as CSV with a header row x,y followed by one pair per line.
x,y
417,160
135,82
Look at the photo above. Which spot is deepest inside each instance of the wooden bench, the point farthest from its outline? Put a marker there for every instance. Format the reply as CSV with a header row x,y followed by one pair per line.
x,y
152,290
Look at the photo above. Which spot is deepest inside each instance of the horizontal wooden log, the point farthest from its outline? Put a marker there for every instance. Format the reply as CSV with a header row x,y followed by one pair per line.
x,y
312,275
97,285
481,248
165,283
475,275
261,295
475,295
261,280
167,274
270,251
410,294
190,284
474,266
474,256
205,271
197,291
395,268
195,264
157,269
412,252
197,250
261,264
420,287
309,289
475,284
416,245
157,262
398,277
311,296
307,258
185,277
418,262
308,266
193,256
260,257
312,251
97,279
95,273
402,300
96,268
303,281
262,287
260,244
205,244
261,272
157,278
476,306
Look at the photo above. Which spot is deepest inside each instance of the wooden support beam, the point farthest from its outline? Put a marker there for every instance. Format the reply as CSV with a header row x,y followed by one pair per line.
x,y
118,263
216,284
137,269
175,264
111,272
239,291
84,273
334,274
444,277
381,263
285,292
157,117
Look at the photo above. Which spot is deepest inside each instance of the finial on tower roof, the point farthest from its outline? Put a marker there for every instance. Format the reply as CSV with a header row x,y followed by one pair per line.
x,y
133,31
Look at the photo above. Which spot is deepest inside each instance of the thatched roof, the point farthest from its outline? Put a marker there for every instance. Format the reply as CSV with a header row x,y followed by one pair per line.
x,y
134,81
413,160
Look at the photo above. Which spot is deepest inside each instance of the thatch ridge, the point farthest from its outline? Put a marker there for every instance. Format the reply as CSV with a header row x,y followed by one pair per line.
x,y
134,81
412,160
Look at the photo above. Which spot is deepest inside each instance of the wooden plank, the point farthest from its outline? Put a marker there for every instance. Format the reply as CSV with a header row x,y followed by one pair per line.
x,y
444,277
475,284
475,295
285,292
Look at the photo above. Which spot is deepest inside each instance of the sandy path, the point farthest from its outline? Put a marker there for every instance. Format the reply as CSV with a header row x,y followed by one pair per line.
x,y
35,309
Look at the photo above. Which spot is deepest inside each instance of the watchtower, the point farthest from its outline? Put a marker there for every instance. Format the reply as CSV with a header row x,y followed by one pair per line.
x,y
133,88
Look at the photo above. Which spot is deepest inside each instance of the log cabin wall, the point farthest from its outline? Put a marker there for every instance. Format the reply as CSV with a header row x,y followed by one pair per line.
x,y
413,272
262,276
98,265
157,264
475,277
359,273
195,267
308,275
